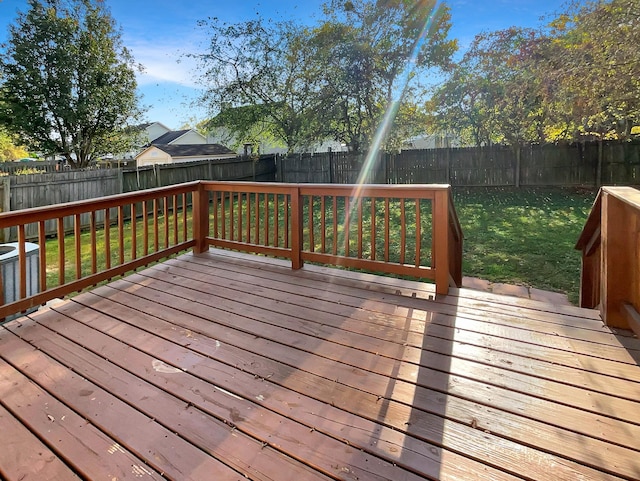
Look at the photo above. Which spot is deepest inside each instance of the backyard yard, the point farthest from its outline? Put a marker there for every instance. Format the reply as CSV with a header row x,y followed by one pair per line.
x,y
517,236
524,236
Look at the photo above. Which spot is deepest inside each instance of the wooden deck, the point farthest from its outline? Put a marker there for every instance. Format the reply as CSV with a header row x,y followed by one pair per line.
x,y
230,366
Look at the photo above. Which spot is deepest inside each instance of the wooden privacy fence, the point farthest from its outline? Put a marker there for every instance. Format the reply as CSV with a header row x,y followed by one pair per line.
x,y
610,277
340,225
39,190
588,164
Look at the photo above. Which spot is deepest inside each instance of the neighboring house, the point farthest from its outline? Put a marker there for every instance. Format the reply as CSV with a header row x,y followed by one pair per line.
x,y
152,131
171,153
180,137
431,141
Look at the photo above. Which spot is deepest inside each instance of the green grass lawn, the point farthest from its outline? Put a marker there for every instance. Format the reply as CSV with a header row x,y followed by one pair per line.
x,y
524,236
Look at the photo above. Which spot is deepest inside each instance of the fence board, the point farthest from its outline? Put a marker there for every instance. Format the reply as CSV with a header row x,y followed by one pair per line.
x,y
541,165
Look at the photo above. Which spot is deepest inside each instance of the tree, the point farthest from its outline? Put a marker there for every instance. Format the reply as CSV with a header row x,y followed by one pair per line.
x,y
369,59
594,65
8,149
68,83
255,79
495,91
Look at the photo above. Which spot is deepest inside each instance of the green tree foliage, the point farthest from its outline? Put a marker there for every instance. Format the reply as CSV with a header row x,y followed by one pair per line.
x,y
335,80
494,93
370,54
68,83
576,79
8,149
594,69
255,78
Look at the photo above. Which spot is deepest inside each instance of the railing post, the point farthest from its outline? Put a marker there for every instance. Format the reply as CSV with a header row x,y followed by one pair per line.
x,y
619,232
200,218
441,240
296,228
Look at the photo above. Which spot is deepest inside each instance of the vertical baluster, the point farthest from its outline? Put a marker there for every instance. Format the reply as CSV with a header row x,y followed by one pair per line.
x,y
312,242
359,227
42,242
107,238
276,220
215,214
266,219
373,228
61,253
134,233
386,229
418,233
145,227
175,219
257,224
77,231
347,221
248,219
94,241
223,215
335,225
240,201
185,224
323,225
403,231
287,199
232,199
156,233
166,221
121,234
22,260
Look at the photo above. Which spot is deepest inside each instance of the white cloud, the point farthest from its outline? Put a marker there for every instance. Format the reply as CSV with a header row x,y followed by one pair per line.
x,y
165,61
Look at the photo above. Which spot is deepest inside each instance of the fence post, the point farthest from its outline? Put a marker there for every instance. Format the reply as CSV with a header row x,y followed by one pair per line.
x,y
200,218
441,240
296,228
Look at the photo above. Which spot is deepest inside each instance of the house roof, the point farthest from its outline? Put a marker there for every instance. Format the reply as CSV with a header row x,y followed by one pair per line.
x,y
169,137
193,150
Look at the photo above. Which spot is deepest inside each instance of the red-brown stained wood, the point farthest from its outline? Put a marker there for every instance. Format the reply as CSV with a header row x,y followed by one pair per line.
x,y
88,451
373,228
42,243
134,237
22,261
248,220
256,234
276,224
61,252
92,247
107,238
266,219
121,234
24,457
323,224
176,217
269,349
240,206
185,226
145,228
335,224
165,212
77,231
231,218
215,214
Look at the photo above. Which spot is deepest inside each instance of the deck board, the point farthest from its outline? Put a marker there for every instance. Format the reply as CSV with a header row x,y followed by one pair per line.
x,y
235,365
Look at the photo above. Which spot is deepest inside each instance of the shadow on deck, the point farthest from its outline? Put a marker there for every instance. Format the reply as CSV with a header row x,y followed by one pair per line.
x,y
231,366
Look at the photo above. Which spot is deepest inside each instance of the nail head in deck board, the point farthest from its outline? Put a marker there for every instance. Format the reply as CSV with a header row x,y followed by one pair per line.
x,y
24,457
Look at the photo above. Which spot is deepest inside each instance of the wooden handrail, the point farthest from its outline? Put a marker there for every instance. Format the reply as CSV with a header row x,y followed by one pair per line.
x,y
610,275
397,229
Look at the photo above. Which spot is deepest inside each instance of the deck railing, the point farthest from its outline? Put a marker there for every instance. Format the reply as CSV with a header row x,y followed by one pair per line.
x,y
409,230
610,246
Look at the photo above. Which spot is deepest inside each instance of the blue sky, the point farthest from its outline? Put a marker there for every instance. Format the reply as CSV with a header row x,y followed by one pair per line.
x,y
160,32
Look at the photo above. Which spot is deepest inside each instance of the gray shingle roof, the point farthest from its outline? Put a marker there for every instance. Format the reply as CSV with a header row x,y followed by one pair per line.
x,y
169,137
194,150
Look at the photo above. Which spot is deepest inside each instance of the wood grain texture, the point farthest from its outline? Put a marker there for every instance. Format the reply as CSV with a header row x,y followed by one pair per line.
x,y
236,365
